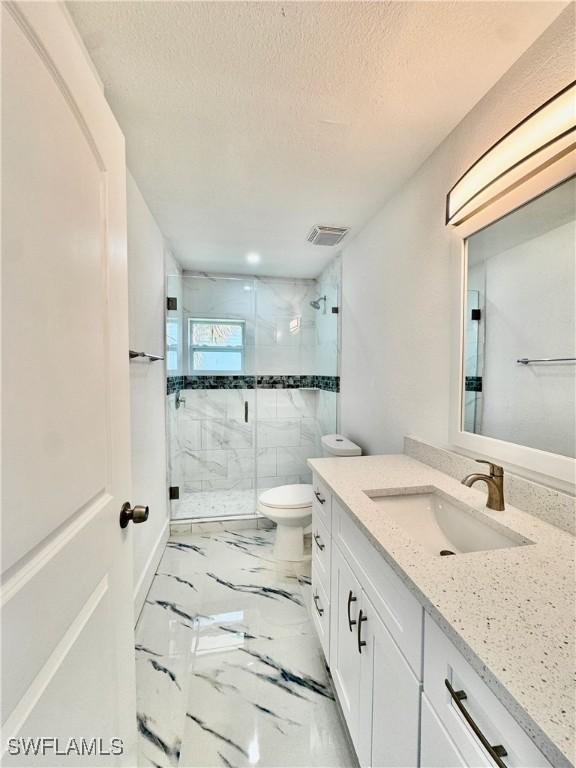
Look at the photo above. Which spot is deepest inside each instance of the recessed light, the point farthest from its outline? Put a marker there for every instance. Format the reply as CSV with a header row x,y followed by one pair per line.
x,y
252,257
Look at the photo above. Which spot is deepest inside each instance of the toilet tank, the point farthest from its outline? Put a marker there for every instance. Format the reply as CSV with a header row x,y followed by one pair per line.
x,y
338,445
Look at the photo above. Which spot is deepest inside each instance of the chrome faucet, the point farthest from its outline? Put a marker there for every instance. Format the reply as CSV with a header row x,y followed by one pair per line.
x,y
494,481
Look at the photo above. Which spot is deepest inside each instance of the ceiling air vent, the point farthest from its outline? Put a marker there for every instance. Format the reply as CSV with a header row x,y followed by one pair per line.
x,y
327,235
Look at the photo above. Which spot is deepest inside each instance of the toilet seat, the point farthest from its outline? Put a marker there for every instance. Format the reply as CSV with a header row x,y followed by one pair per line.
x,y
287,497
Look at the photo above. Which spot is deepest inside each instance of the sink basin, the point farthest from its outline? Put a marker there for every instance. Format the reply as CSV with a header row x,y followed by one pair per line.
x,y
444,526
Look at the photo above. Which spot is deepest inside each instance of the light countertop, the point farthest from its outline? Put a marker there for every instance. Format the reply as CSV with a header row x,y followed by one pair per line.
x,y
510,612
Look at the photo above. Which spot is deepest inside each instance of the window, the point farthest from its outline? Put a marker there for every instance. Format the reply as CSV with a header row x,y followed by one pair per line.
x,y
216,346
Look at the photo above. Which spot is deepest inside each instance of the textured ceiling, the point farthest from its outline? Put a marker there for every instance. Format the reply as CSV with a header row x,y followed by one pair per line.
x,y
248,123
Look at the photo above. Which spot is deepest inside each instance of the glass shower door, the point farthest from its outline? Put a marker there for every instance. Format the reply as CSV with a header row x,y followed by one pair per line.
x,y
297,365
211,412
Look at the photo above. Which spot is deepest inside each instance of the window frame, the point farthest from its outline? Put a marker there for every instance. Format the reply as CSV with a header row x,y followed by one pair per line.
x,y
241,323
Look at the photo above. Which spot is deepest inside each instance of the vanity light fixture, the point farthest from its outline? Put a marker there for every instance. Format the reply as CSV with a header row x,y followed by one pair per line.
x,y
542,138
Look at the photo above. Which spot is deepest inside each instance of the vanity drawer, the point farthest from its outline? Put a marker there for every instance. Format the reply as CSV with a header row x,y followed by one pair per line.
x,y
320,609
398,608
322,502
442,661
437,750
321,551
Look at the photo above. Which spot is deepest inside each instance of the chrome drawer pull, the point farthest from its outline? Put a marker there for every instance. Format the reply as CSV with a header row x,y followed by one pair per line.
x,y
318,541
497,751
320,499
318,609
351,599
361,643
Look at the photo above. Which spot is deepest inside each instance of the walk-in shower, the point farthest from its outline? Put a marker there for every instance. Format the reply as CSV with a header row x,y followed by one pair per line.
x,y
252,383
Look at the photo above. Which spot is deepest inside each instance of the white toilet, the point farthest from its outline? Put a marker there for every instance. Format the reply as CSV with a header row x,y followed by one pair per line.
x,y
290,506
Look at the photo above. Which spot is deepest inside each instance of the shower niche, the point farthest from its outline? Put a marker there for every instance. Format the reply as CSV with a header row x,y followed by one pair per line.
x,y
252,385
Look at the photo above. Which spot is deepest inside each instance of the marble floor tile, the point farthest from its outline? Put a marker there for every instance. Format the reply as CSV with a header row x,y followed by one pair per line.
x,y
229,669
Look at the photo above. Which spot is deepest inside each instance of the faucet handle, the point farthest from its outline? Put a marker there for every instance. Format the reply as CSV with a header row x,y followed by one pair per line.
x,y
495,469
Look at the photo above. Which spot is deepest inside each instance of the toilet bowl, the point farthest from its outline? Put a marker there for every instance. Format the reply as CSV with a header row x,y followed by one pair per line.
x,y
290,506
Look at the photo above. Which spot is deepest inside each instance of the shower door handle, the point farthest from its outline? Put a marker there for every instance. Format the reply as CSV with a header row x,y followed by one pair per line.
x,y
246,411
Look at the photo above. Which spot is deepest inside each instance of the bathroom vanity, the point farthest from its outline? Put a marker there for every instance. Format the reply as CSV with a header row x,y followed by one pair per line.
x,y
461,659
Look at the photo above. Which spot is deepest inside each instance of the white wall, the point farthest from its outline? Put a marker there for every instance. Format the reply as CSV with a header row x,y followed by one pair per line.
x,y
147,387
400,277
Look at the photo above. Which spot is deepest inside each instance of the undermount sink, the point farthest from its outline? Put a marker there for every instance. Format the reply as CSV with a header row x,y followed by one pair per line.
x,y
444,527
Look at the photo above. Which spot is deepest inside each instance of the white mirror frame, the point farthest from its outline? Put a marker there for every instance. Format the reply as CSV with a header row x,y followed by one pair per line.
x,y
561,470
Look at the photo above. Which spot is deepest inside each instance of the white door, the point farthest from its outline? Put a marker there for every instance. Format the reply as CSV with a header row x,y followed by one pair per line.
x,y
67,623
345,653
389,699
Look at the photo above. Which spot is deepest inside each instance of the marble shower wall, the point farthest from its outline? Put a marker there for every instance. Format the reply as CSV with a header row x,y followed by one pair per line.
x,y
328,337
211,447
280,324
286,335
327,362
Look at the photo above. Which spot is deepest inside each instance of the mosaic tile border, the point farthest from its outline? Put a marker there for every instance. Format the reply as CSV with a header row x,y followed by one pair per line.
x,y
473,384
174,384
326,383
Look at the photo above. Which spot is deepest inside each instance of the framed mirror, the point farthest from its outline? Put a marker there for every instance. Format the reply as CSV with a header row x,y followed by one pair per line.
x,y
519,371
517,367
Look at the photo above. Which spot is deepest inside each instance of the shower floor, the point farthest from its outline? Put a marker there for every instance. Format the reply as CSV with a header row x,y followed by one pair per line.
x,y
225,503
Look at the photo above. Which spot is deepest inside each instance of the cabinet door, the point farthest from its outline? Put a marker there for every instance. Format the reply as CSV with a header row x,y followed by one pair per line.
x,y
389,698
344,656
437,749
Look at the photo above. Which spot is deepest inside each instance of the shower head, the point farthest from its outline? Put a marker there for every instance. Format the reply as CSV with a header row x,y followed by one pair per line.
x,y
316,303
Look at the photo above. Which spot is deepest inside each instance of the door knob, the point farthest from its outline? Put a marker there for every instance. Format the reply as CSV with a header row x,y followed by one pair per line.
x,y
137,514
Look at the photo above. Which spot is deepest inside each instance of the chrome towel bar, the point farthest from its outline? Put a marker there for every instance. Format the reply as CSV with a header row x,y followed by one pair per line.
x,y
132,354
527,361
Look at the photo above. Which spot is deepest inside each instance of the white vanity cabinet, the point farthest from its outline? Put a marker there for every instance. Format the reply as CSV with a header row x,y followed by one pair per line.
x,y
380,646
447,735
321,559
389,698
437,750
369,611
344,659
377,690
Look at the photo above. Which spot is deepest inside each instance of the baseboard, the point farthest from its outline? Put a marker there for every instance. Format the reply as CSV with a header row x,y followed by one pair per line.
x,y
145,580
217,524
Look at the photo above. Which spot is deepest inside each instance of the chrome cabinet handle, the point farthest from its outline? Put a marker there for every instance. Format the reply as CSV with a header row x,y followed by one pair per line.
x,y
320,499
246,411
497,751
351,599
318,541
138,514
319,610
361,643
